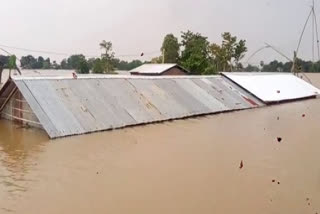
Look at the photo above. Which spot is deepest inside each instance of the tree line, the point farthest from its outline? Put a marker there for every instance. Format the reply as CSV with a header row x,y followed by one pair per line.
x,y
277,66
75,62
107,63
194,52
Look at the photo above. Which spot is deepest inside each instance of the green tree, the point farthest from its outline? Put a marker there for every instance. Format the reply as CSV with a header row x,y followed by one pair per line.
x,y
229,50
170,49
107,57
126,66
55,65
83,67
219,56
157,60
64,64
274,66
28,62
46,64
90,63
195,55
98,67
133,64
251,68
74,61
239,52
40,62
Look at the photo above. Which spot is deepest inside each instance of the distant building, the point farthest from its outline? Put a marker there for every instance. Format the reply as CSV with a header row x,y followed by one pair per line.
x,y
159,70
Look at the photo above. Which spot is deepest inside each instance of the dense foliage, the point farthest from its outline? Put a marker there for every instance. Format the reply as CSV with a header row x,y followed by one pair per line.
x,y
194,52
199,56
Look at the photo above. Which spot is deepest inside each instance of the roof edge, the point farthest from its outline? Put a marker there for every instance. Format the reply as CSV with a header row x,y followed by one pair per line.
x,y
133,71
112,77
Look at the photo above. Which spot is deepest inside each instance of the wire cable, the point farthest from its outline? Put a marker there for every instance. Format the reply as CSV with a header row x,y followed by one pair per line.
x,y
317,33
304,28
67,54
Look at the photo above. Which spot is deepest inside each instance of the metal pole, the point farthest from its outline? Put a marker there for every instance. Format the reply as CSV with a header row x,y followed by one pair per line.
x,y
313,31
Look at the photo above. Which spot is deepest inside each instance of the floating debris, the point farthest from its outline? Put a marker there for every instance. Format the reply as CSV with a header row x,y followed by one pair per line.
x,y
303,115
241,165
278,118
279,139
278,182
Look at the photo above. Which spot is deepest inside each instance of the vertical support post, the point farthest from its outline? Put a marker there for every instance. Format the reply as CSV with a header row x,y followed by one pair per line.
x,y
293,69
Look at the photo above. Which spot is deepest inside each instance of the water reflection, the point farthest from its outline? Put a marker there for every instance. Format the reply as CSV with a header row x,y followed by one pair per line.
x,y
19,150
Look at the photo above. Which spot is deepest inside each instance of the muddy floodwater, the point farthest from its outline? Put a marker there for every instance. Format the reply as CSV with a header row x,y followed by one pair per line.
x,y
255,161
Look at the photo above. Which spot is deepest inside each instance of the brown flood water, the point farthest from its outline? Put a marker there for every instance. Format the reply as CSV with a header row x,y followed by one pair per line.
x,y
189,166
315,79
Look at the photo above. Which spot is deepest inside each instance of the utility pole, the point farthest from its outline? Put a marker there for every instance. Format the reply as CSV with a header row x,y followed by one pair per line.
x,y
313,23
312,15
293,68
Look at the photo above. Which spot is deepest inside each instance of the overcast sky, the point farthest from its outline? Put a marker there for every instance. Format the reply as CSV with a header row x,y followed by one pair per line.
x,y
135,26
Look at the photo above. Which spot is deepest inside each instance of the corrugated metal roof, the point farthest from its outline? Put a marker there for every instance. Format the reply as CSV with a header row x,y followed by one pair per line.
x,y
153,68
274,87
67,107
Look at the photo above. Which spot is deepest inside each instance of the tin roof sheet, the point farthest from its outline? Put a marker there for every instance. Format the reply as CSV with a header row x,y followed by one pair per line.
x,y
274,87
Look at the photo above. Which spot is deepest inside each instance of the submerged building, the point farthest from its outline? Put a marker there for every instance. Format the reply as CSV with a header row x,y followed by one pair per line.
x,y
65,106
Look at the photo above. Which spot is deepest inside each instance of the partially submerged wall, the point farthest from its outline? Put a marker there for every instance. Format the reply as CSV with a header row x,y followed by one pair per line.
x,y
18,110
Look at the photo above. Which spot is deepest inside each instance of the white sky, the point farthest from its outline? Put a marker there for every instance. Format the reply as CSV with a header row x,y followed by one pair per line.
x,y
135,26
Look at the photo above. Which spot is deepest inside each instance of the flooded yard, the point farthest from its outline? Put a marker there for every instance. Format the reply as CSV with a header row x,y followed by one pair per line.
x,y
255,161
